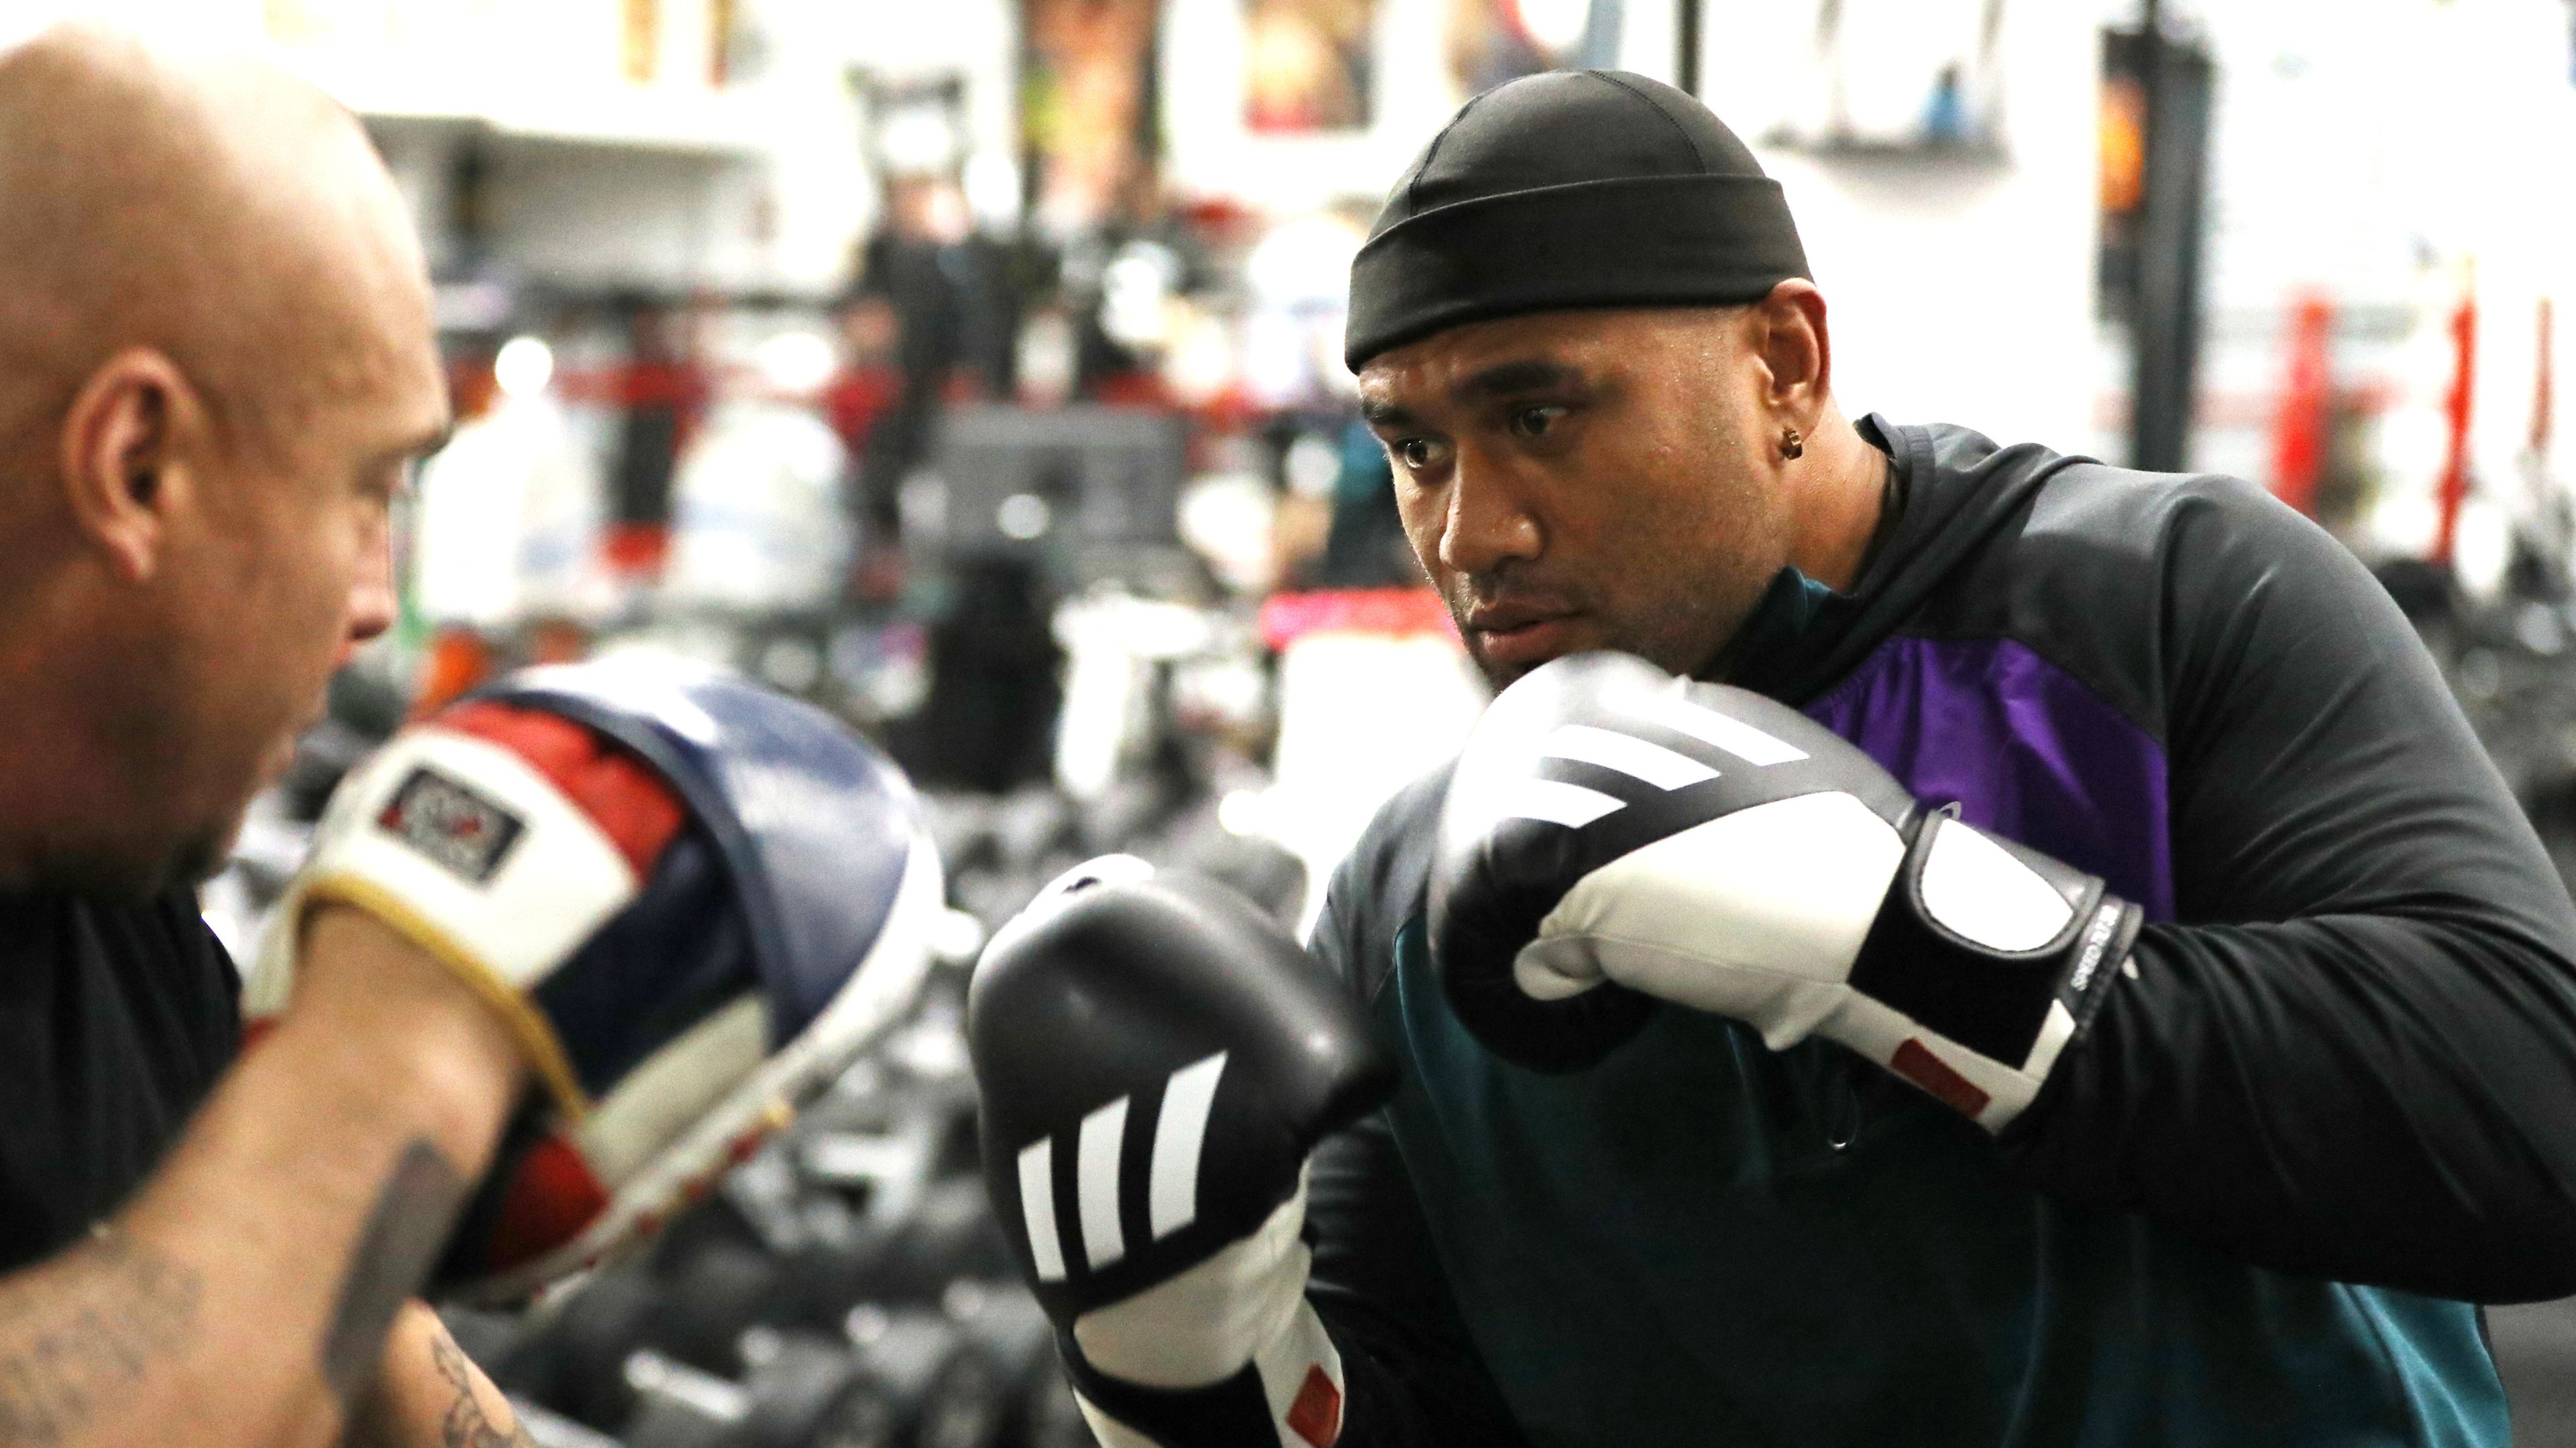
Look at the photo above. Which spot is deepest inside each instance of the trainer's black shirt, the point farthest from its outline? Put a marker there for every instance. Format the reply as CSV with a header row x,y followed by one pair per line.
x,y
114,1023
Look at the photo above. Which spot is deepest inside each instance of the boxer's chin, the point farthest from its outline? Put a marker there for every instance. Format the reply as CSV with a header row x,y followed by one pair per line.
x,y
197,860
196,854
112,878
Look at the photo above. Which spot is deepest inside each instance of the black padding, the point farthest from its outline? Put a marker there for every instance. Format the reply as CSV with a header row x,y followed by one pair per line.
x,y
1233,1411
1993,1002
1104,992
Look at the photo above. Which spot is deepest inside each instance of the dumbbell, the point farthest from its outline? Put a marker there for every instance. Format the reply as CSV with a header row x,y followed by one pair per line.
x,y
720,1292
547,1429
1039,1408
907,1379
945,1386
519,1359
950,1234
678,1406
589,1336
709,1285
824,1280
695,1314
502,1344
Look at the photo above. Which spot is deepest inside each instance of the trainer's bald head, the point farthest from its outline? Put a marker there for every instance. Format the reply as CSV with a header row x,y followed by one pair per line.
x,y
208,206
216,360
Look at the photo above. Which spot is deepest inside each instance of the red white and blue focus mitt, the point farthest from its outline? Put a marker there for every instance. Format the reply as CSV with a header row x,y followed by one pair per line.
x,y
692,900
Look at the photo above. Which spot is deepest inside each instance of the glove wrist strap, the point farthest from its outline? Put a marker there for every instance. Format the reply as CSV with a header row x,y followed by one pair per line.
x,y
1985,960
1213,1355
1290,1392
466,850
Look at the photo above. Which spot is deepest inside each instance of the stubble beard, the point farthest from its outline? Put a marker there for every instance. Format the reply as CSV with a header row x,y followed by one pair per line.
x,y
111,877
133,861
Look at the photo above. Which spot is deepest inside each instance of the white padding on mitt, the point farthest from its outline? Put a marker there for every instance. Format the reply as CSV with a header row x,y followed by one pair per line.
x,y
466,850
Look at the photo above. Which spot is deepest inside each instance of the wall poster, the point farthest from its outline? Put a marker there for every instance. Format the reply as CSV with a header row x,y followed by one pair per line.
x,y
1306,65
1492,41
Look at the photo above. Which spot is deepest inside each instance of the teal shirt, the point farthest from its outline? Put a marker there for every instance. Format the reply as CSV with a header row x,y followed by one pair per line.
x,y
2169,683
1702,1242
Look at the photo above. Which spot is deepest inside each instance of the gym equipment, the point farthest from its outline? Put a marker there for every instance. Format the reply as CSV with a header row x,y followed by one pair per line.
x,y
553,1430
906,1379
846,1283
600,1325
1039,1408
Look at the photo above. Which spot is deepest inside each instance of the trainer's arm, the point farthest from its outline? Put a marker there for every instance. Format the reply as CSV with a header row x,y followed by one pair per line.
x,y
429,1394
244,1296
2354,1056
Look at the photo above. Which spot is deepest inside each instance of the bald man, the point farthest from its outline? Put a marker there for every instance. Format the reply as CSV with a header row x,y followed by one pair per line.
x,y
216,361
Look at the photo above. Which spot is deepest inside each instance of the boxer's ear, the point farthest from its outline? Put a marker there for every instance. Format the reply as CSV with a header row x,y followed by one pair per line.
x,y
1790,334
126,439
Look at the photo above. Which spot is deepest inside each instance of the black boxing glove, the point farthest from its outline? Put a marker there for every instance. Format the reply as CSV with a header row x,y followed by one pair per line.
x,y
1614,836
1156,1060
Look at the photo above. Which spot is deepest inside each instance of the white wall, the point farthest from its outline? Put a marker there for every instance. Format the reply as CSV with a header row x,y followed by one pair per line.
x,y
1958,291
2394,155
764,184
200,21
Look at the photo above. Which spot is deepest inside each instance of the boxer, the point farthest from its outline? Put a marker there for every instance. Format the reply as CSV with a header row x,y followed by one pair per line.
x,y
1934,942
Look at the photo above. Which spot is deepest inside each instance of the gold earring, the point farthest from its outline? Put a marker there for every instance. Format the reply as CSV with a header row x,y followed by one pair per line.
x,y
1792,446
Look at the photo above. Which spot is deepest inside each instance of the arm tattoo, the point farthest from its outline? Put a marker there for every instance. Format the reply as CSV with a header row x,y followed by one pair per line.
x,y
466,1425
391,1260
66,1356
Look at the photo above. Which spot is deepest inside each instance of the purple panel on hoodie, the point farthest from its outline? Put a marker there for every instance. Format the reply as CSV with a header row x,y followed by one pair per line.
x,y
2024,749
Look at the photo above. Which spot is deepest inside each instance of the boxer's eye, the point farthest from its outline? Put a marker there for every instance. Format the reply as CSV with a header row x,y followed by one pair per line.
x,y
1536,421
1416,453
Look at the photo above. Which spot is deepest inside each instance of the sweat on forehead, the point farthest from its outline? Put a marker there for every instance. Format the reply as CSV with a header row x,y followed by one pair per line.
x,y
212,208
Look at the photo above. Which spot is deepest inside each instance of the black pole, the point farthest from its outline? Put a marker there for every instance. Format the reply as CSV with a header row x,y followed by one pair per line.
x,y
2164,324
1686,67
2146,394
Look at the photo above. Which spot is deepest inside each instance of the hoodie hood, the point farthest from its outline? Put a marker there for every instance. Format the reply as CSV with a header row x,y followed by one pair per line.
x,y
1955,491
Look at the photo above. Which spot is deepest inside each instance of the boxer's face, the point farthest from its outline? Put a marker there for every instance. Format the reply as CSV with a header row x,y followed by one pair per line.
x,y
277,567
310,572
233,366
1586,479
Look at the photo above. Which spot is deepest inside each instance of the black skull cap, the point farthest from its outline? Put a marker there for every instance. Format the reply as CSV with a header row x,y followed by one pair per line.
x,y
1573,188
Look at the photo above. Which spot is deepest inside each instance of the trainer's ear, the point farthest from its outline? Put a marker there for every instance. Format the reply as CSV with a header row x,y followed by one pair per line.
x,y
125,443
1798,351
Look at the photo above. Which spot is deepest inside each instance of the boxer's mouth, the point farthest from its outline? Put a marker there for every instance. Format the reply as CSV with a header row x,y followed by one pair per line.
x,y
1511,633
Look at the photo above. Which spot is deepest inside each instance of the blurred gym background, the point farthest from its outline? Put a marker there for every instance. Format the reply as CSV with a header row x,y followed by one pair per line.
x,y
972,369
